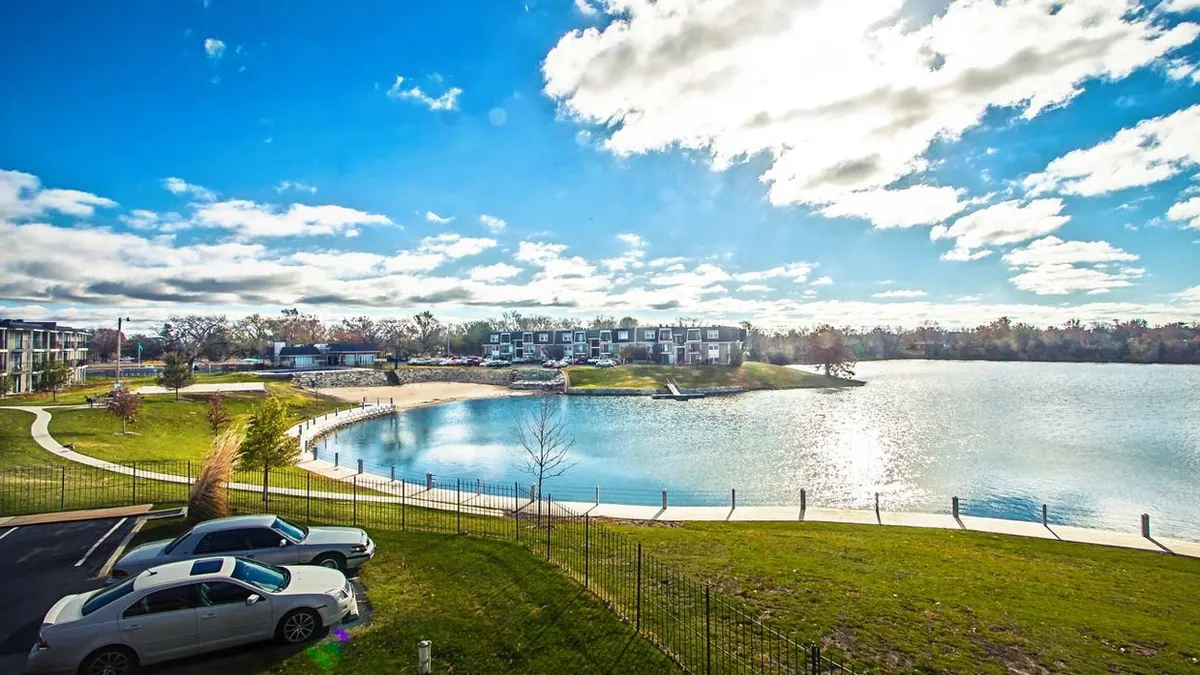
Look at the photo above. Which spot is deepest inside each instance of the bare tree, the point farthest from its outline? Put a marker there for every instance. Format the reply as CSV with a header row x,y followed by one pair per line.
x,y
547,443
192,334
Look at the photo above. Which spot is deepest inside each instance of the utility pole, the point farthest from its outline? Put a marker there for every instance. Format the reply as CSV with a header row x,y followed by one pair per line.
x,y
120,320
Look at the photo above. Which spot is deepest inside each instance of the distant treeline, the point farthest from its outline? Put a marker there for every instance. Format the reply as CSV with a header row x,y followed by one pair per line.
x,y
1132,341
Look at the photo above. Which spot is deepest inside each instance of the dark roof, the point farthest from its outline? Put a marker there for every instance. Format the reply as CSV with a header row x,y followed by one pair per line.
x,y
308,350
21,324
353,347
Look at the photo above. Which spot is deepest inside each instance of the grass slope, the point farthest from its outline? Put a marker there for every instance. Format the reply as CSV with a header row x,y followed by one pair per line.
x,y
488,607
95,387
751,375
916,600
17,447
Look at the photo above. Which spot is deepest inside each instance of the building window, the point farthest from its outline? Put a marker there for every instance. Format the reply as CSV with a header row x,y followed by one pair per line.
x,y
714,334
648,335
527,337
714,353
580,336
693,335
493,338
566,338
622,335
543,337
505,339
605,336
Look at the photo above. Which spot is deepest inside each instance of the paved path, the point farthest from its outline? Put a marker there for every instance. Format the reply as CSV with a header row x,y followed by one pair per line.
x,y
209,388
420,494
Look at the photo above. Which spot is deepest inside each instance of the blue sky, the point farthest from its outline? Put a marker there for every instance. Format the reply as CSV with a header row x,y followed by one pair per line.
x,y
787,163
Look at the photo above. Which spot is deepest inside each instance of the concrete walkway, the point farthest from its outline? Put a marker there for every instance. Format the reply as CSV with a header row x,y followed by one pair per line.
x,y
465,498
210,388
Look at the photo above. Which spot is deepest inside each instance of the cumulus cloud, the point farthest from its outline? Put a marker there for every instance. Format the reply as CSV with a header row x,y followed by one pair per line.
x,y
178,186
254,220
734,80
285,185
493,224
634,240
494,272
435,218
1151,151
1179,6
214,49
447,101
1009,222
900,293
22,196
1188,211
754,288
823,281
585,8
797,272
455,246
906,207
666,262
1052,266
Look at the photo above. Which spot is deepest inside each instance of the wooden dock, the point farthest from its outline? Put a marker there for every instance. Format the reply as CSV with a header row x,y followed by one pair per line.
x,y
676,394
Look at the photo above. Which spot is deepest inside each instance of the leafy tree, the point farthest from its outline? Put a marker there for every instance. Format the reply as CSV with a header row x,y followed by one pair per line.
x,y
635,353
218,415
628,322
555,351
829,351
176,373
358,329
427,329
546,440
55,376
124,404
266,443
602,321
5,384
474,334
102,344
735,357
193,334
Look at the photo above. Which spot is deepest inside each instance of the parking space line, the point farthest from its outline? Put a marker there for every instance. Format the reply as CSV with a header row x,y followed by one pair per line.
x,y
8,532
116,554
100,541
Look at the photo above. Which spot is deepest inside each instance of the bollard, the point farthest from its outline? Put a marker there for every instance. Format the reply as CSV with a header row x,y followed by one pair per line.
x,y
532,489
478,486
954,507
1044,523
876,503
314,454
664,498
424,657
360,466
393,473
391,401
1146,525
336,460
428,481
733,498
803,499
597,495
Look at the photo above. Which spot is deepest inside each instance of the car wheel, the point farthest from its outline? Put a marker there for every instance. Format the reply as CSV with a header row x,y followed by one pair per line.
x,y
332,561
109,661
298,626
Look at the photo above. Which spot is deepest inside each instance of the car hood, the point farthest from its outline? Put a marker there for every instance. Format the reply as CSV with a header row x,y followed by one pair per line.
x,y
143,556
326,536
69,608
312,579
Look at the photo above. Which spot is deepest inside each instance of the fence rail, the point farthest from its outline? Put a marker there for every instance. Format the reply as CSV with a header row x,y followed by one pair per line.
x,y
703,632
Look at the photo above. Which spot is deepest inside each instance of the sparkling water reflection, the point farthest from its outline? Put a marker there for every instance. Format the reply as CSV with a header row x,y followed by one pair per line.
x,y
1098,443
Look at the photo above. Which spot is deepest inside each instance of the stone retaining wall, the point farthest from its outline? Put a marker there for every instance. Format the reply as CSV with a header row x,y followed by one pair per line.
x,y
341,378
502,377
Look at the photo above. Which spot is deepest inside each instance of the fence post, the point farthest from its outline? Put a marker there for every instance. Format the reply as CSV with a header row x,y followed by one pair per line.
x,y
517,510
1146,525
954,507
707,629
597,495
803,499
876,504
403,505
733,498
814,655
549,503
428,481
1044,524
62,504
354,500
393,473
266,481
478,486
458,509
133,500
189,472
308,496
587,548
639,589
664,498
337,460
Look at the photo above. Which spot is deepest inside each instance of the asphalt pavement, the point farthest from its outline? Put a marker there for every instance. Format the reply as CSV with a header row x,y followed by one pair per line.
x,y
40,564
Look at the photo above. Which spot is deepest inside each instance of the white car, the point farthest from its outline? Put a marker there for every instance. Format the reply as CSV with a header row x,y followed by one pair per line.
x,y
605,363
185,608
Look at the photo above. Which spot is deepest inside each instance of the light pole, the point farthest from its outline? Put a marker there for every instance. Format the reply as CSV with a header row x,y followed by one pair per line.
x,y
120,320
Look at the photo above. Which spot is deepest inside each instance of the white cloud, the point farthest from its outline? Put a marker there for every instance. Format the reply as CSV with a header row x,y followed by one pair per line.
x,y
435,218
296,185
252,220
1052,250
666,262
1178,6
634,240
1179,69
495,272
1051,266
1187,211
906,207
447,101
754,288
965,255
738,79
214,48
22,196
178,186
493,224
585,8
823,281
1009,222
797,272
900,293
969,298
1151,151
701,276
455,246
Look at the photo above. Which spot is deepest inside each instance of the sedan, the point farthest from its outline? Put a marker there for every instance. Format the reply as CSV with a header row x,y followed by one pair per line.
x,y
185,608
266,538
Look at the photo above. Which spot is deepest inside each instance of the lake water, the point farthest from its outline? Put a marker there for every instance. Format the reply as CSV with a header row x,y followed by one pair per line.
x,y
1099,443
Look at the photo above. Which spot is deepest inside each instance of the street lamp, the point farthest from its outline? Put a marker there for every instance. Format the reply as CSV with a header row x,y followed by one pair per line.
x,y
120,320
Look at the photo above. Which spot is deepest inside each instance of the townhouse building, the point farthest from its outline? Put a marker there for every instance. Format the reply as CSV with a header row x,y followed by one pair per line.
x,y
26,347
676,345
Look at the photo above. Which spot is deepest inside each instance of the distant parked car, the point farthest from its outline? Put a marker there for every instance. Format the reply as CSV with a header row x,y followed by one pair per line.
x,y
495,363
265,538
188,607
605,363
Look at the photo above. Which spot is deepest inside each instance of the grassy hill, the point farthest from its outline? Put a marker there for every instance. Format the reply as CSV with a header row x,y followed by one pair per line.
x,y
751,375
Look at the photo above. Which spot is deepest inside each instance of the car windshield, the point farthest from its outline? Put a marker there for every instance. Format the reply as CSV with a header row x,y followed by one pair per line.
x,y
176,542
106,595
289,530
267,577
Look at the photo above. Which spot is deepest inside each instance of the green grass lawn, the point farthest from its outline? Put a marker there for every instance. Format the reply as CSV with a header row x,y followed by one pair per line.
x,y
95,387
16,445
487,607
915,600
751,375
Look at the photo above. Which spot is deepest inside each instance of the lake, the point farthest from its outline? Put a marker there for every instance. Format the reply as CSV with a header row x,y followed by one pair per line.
x,y
1098,443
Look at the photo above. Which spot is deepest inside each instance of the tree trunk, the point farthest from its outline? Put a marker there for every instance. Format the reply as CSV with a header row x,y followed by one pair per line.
x,y
122,426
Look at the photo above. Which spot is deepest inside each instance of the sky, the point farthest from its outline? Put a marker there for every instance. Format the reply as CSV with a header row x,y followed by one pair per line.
x,y
787,162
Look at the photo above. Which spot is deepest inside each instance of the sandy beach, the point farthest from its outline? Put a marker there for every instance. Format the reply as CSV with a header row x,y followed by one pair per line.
x,y
422,393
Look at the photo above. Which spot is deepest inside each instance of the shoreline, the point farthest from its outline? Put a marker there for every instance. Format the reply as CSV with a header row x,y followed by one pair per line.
x,y
421,394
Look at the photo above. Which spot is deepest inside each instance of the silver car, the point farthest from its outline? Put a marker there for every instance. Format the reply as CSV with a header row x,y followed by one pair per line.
x,y
188,607
266,538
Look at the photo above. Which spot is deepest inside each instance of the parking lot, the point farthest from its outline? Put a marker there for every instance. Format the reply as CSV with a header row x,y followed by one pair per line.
x,y
41,563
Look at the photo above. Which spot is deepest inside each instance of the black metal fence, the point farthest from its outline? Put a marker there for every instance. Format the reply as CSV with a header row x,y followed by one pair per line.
x,y
703,632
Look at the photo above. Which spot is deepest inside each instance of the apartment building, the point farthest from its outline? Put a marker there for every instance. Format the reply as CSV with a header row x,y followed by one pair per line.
x,y
676,345
26,347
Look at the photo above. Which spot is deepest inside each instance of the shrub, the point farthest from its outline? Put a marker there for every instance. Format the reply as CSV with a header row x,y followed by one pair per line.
x,y
208,498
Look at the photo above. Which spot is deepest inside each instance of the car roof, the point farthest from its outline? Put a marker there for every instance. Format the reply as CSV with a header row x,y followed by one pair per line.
x,y
233,522
198,569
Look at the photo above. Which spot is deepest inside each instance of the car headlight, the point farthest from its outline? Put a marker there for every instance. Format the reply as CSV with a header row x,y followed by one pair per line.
x,y
358,548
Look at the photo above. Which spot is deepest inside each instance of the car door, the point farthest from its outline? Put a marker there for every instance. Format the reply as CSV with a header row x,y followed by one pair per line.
x,y
162,624
266,545
224,618
224,542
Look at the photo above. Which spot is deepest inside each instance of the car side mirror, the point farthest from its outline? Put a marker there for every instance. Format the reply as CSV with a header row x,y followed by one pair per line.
x,y
253,598
283,542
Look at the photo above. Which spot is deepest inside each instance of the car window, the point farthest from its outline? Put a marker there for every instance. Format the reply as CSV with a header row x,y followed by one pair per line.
x,y
222,542
176,542
267,577
262,538
103,597
293,531
222,593
166,600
